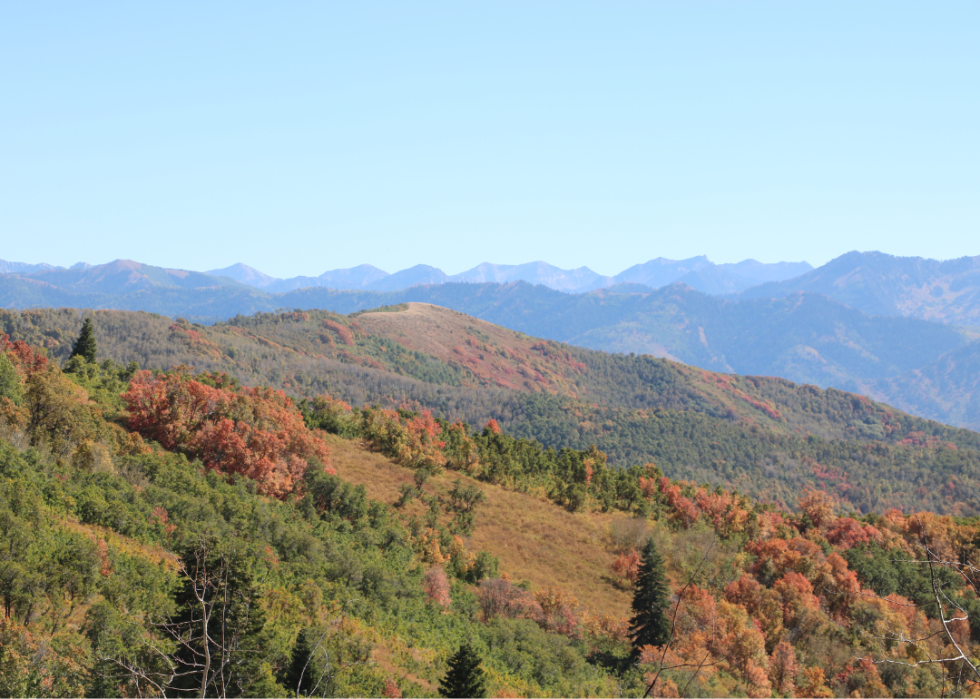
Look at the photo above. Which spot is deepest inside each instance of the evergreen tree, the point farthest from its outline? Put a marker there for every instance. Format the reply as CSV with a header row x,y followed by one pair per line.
x,y
85,344
650,625
303,670
465,677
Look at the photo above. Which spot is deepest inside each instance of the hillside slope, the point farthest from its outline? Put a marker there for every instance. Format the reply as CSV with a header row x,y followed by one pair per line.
x,y
765,436
385,549
948,388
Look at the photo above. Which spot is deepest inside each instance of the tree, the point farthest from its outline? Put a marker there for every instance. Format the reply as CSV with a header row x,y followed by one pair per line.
x,y
85,344
218,620
649,625
465,677
436,586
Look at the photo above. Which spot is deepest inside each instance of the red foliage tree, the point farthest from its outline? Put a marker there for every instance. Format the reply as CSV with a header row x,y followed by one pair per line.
x,y
798,598
500,597
27,361
684,510
254,432
847,533
391,690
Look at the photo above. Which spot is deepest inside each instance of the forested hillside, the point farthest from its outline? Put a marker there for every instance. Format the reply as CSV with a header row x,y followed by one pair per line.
x,y
803,336
182,532
766,437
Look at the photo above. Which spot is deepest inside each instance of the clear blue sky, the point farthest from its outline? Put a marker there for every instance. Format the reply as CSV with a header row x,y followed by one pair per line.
x,y
301,137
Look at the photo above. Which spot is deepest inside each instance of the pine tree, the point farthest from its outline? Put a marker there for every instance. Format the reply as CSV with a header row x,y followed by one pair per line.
x,y
301,675
650,625
465,677
85,344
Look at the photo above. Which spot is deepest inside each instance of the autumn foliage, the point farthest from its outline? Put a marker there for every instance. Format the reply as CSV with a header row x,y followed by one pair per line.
x,y
436,586
27,361
254,432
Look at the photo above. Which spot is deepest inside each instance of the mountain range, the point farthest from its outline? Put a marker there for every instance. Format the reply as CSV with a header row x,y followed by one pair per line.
x,y
697,272
900,330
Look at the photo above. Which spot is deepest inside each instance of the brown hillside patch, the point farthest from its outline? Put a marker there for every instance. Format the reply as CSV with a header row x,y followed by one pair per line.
x,y
535,540
498,356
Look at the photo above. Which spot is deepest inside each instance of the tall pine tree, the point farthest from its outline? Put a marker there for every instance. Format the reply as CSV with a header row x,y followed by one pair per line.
x,y
84,346
650,625
465,677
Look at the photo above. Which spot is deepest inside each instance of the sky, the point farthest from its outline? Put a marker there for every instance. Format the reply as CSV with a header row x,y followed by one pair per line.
x,y
302,137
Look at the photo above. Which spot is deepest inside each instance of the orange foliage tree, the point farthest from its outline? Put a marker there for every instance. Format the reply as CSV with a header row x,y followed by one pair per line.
x,y
254,432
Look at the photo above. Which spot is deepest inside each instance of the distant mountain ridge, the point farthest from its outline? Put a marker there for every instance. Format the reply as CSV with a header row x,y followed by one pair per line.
x,y
697,272
947,290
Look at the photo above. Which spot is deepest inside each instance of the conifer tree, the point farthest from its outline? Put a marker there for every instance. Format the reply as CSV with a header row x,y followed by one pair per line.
x,y
465,677
650,625
84,346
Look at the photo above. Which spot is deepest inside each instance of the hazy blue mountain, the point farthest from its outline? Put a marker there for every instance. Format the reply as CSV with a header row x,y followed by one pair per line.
x,y
661,271
244,274
23,267
705,276
947,389
419,274
761,272
947,291
351,278
568,280
124,276
697,272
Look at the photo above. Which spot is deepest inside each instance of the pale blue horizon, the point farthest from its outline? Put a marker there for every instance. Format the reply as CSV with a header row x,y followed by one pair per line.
x,y
305,137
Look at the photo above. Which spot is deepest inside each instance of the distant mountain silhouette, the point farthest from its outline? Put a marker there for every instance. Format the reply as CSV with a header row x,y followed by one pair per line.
x,y
125,276
244,274
23,267
698,272
572,281
419,274
947,291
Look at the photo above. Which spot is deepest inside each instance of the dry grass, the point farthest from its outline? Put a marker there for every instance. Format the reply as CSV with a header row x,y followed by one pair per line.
x,y
534,539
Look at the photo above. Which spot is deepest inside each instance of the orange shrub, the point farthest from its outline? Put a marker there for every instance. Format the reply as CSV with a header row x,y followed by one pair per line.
x,y
254,432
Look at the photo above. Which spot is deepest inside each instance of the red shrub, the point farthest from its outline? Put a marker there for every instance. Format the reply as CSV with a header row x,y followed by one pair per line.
x,y
254,432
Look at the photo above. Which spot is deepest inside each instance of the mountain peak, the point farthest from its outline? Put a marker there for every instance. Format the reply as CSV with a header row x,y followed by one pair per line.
x,y
241,272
